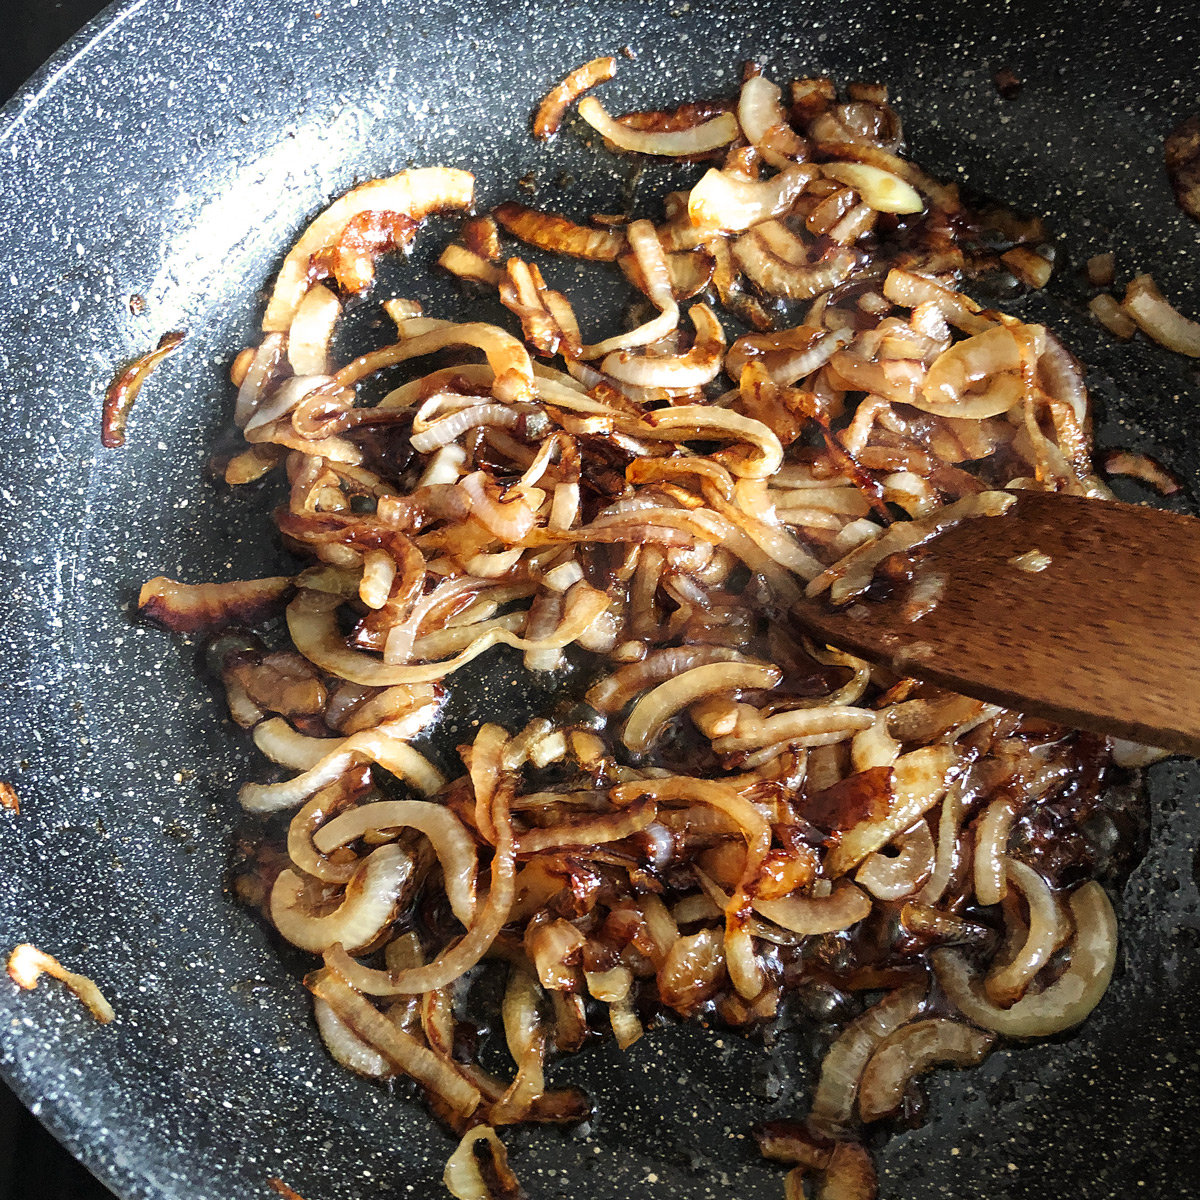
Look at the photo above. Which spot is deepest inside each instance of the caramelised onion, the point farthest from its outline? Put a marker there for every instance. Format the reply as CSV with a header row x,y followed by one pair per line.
x,y
369,904
417,194
1142,467
590,831
614,691
991,850
894,878
678,143
27,964
725,202
347,1047
846,905
312,621
446,833
193,607
552,231
880,189
1064,1003
655,709
918,781
850,576
409,1055
911,1051
850,1174
123,391
560,97
478,1169
775,275
1158,320
1007,982
765,124
833,1102
373,746
699,365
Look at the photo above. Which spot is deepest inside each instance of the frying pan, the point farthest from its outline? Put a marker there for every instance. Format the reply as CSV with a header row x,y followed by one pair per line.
x,y
172,151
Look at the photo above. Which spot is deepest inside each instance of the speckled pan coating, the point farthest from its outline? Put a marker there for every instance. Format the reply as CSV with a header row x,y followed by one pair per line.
x,y
172,151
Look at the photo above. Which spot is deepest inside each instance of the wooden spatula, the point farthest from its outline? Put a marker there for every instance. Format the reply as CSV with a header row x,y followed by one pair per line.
x,y
1098,627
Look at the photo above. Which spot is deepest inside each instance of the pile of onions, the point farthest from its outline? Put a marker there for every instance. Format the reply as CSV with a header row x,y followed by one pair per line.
x,y
738,816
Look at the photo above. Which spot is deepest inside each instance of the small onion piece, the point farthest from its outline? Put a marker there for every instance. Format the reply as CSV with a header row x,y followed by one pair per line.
x,y
123,391
883,191
911,1051
1158,320
709,135
550,112
193,607
464,1176
553,231
894,878
1065,1002
849,1176
27,964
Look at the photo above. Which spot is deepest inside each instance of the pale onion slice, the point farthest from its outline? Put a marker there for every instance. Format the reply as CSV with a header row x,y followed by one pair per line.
x,y
416,194
27,964
730,203
372,746
312,622
894,878
846,905
911,1051
919,781
283,745
700,365
1065,1002
347,1047
368,907
882,190
652,262
258,374
709,135
765,124
655,709
1006,983
1157,319
974,379
451,842
312,330
405,1051
991,849
833,1101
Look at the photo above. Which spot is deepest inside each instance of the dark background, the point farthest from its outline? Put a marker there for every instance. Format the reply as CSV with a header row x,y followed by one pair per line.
x,y
33,1166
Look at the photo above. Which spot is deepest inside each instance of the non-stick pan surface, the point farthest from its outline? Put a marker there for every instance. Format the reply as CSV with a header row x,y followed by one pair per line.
x,y
172,152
